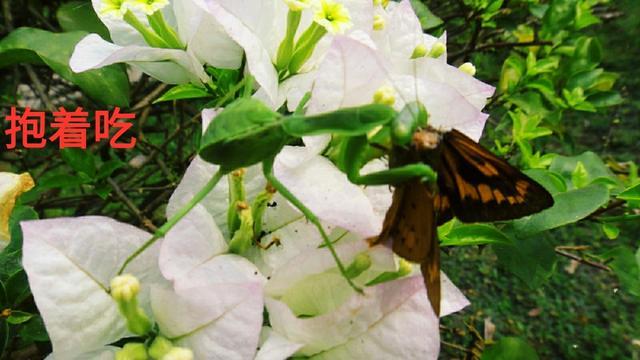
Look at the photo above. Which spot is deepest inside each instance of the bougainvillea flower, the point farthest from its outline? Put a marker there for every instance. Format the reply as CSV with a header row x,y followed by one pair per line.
x,y
196,39
214,310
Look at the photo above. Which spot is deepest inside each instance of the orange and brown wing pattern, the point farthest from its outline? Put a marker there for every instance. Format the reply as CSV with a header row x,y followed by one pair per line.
x,y
481,187
410,226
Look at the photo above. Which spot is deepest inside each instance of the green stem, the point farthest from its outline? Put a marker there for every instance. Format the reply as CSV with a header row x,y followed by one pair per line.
x,y
620,218
164,229
267,168
305,46
231,93
285,51
149,36
160,26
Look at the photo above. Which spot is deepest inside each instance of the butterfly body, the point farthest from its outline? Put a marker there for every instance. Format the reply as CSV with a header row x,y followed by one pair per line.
x,y
473,184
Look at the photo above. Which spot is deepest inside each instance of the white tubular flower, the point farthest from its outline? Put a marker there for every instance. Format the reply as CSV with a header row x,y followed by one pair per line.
x,y
125,287
333,16
148,7
11,187
298,5
114,8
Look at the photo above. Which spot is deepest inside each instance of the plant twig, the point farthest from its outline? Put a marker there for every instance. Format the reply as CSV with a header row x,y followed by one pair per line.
x,y
145,221
581,260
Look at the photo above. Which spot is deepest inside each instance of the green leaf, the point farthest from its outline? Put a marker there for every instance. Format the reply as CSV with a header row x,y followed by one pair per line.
x,y
109,85
80,16
18,317
62,181
245,133
580,176
630,194
589,49
560,14
474,234
350,121
510,348
552,181
569,207
11,256
594,166
532,259
584,79
34,330
512,71
610,231
606,99
625,264
184,91
108,168
427,18
80,160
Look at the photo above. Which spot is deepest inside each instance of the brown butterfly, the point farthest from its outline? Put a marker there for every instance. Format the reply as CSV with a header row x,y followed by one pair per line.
x,y
473,185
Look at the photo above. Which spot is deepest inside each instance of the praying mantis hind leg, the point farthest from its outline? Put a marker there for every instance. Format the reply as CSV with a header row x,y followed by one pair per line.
x,y
267,167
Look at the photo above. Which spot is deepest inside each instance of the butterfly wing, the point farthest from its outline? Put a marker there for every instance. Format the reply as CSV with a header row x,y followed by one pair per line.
x,y
481,187
410,226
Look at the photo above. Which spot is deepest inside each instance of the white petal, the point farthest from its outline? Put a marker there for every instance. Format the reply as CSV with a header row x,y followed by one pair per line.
x,y
121,32
193,241
275,346
197,175
400,36
349,76
105,353
447,108
204,35
309,263
411,331
326,191
70,262
473,90
361,327
290,233
93,52
258,58
453,300
216,309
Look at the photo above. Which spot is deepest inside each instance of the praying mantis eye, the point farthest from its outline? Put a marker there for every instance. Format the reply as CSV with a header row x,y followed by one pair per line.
x,y
413,116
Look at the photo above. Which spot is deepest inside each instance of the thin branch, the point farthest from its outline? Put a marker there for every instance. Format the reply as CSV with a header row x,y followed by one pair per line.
x,y
146,222
579,259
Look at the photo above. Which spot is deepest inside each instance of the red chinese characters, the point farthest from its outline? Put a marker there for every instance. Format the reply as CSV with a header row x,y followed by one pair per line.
x,y
71,129
31,124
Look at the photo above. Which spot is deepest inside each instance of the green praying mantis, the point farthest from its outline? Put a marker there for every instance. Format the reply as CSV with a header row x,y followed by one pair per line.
x,y
247,133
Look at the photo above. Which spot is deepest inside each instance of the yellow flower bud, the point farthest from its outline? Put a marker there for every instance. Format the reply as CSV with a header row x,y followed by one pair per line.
x,y
124,287
378,22
419,51
385,95
437,50
468,68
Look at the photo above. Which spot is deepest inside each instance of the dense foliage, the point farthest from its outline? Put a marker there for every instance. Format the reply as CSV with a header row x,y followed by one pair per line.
x,y
564,283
